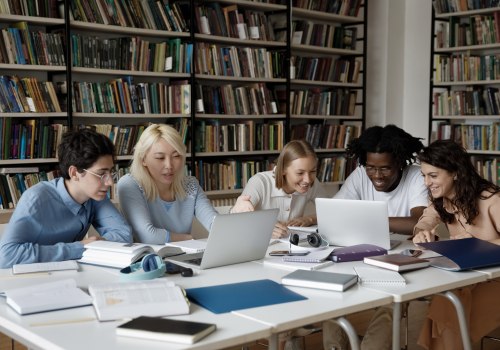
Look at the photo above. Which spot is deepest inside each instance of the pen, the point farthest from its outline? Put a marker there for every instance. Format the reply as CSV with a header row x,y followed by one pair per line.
x,y
59,322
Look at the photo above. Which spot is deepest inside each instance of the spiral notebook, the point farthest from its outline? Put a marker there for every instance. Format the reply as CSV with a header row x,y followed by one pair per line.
x,y
376,276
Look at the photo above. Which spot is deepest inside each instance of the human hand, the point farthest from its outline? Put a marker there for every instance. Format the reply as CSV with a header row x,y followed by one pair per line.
x,y
280,230
242,204
174,237
302,222
91,239
425,236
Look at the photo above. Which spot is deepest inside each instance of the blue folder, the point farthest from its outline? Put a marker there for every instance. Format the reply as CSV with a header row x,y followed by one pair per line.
x,y
236,296
465,254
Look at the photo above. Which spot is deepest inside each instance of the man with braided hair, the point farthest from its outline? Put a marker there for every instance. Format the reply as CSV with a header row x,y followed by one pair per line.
x,y
386,172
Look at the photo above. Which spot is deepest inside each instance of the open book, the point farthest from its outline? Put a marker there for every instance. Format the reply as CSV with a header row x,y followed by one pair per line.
x,y
158,297
120,255
49,296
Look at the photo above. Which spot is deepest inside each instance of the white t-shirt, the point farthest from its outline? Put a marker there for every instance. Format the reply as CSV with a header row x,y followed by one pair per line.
x,y
410,193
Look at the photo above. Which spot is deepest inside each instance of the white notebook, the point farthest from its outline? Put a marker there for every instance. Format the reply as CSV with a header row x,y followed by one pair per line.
x,y
377,276
313,257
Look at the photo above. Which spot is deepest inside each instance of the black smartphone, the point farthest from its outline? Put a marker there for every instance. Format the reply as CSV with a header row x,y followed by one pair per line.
x,y
172,268
412,252
287,252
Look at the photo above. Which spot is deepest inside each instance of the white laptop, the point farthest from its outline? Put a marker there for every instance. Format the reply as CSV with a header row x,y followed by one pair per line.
x,y
346,222
233,239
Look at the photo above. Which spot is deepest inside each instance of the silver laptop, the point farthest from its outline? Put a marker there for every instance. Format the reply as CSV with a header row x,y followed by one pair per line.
x,y
233,239
346,222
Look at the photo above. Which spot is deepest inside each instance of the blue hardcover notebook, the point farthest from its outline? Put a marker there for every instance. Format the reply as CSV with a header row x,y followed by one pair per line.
x,y
236,296
464,254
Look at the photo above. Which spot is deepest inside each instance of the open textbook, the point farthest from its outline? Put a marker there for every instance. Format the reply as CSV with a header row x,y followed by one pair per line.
x,y
119,300
120,255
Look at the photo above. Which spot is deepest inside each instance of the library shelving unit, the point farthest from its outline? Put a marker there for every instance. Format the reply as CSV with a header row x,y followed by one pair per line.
x,y
465,80
327,79
237,78
33,110
239,60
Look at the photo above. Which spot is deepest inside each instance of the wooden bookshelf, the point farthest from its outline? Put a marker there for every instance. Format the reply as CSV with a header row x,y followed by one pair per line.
x,y
225,81
327,80
465,99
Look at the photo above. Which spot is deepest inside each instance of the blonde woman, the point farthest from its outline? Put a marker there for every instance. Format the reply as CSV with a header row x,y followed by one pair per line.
x,y
157,198
290,187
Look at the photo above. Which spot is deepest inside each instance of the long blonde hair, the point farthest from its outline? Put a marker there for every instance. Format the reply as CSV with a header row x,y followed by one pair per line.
x,y
151,135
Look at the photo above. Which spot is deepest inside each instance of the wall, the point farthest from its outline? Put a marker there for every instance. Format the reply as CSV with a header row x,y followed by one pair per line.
x,y
398,64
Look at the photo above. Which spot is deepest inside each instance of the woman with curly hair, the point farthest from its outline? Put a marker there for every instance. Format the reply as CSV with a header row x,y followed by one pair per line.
x,y
470,207
386,172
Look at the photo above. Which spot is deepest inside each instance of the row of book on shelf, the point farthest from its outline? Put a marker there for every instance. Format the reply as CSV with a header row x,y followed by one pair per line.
x,y
27,94
22,45
326,136
471,101
341,69
338,7
329,102
323,35
39,8
255,99
231,22
478,137
450,6
34,138
14,181
29,138
466,67
158,15
468,31
122,95
232,61
131,53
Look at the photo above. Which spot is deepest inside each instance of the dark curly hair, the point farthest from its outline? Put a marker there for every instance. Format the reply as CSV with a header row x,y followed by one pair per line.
x,y
82,148
469,185
387,139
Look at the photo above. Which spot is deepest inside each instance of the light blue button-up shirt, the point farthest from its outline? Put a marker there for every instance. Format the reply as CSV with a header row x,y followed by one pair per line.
x,y
48,224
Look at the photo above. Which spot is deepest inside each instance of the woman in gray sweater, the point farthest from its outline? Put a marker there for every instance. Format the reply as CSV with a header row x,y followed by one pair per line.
x,y
158,200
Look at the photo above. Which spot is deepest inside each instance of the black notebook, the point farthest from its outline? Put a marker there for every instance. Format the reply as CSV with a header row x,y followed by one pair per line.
x,y
156,328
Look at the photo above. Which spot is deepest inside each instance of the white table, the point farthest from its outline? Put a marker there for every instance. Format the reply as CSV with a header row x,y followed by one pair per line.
x,y
422,283
321,305
232,330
